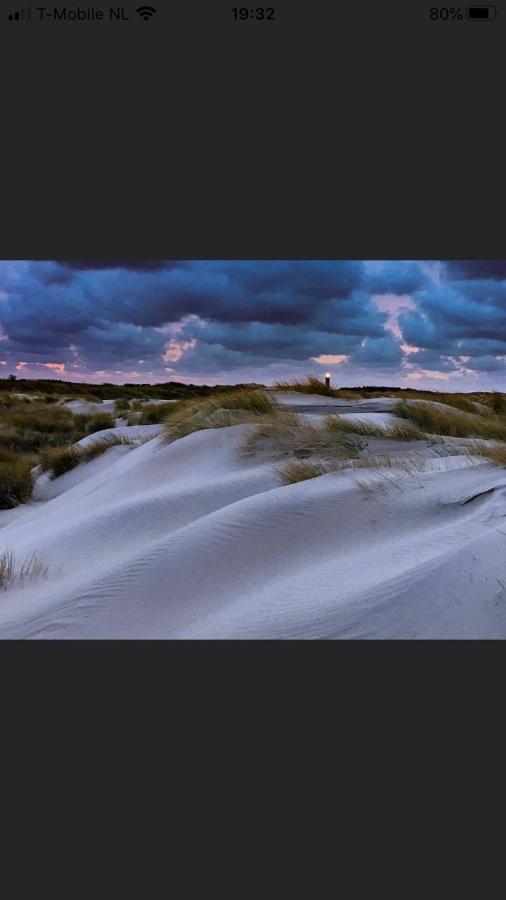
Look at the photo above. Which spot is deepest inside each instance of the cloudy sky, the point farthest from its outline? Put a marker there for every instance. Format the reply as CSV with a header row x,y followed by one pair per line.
x,y
430,324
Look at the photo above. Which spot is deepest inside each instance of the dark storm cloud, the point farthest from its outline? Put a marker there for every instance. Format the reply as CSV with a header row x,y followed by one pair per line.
x,y
271,291
218,316
477,268
383,351
397,277
456,311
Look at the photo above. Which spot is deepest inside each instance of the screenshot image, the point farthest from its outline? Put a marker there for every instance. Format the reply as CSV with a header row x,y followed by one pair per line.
x,y
252,322
252,448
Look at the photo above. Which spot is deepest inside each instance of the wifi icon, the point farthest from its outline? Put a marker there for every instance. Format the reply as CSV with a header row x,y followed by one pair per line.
x,y
146,12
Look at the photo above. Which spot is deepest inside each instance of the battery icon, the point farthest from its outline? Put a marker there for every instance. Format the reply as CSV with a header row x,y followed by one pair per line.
x,y
481,13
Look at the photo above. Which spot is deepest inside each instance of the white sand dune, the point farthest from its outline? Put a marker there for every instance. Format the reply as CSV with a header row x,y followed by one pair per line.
x,y
190,540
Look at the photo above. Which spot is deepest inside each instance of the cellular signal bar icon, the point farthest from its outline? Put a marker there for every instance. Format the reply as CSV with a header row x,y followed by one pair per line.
x,y
21,15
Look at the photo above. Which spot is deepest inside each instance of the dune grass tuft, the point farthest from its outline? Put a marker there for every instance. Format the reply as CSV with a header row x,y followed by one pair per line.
x,y
149,413
7,568
407,465
58,460
288,434
32,567
311,385
217,411
433,419
496,453
404,432
98,447
293,472
99,422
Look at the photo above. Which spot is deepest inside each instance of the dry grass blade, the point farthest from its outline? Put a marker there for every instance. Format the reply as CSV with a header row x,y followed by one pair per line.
x,y
293,472
452,422
31,568
7,567
404,432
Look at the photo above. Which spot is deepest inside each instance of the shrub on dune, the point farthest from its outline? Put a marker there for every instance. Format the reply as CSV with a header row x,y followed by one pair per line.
x,y
16,481
99,422
498,403
43,420
154,413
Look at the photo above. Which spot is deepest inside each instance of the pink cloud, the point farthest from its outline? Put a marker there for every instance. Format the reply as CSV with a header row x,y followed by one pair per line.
x,y
58,367
427,373
409,349
174,349
329,359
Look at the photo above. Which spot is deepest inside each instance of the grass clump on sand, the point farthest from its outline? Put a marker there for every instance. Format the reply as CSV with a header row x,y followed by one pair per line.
x,y
433,419
407,432
91,451
407,465
27,429
496,453
16,480
149,413
293,472
58,460
288,434
217,411
311,385
32,567
98,422
55,461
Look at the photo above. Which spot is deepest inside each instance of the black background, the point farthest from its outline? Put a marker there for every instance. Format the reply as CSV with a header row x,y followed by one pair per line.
x,y
341,130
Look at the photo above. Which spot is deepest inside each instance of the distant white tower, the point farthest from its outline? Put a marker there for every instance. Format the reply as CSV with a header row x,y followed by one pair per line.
x,y
327,379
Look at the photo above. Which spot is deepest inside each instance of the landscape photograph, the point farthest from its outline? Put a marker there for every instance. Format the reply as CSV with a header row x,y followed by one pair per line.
x,y
252,449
